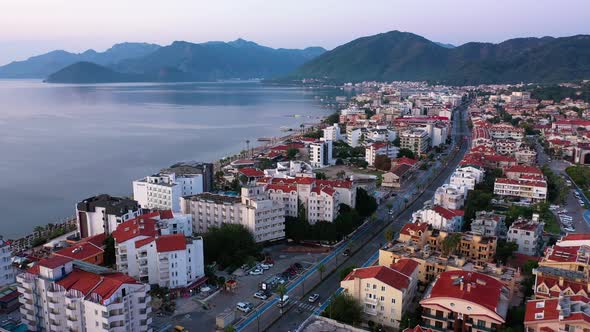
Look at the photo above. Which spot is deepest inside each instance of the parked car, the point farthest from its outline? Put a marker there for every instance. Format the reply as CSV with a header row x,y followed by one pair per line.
x,y
256,272
569,229
261,295
266,266
313,297
244,307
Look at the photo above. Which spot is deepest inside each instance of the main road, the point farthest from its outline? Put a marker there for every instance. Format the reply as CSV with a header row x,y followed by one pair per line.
x,y
364,244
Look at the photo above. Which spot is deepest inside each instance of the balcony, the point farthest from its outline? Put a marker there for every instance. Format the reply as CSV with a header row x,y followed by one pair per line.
x,y
372,312
482,328
371,301
442,329
53,305
441,318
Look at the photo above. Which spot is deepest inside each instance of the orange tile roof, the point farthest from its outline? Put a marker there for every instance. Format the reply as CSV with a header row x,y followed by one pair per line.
x,y
384,274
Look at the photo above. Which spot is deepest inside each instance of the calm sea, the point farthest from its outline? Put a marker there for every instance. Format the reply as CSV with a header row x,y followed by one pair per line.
x,y
62,143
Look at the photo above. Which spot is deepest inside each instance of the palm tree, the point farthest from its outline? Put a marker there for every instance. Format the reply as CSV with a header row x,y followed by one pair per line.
x,y
281,291
321,270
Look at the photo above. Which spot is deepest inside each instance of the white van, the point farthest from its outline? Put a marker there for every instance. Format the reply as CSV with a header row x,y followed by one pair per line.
x,y
243,307
284,302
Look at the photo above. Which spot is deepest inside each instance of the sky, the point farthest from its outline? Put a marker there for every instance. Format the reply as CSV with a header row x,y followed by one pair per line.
x,y
31,27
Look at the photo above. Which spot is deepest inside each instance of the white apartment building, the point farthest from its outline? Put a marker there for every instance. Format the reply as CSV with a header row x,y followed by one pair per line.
x,y
58,294
163,190
450,196
528,235
506,131
7,272
383,149
264,217
290,170
467,176
353,136
416,140
489,223
534,191
103,213
320,198
440,218
439,134
332,133
320,154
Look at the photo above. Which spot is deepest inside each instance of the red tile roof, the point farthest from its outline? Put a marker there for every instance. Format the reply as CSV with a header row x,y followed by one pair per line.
x,y
406,266
97,240
521,182
80,251
144,225
447,213
522,169
103,285
170,242
404,160
384,274
53,262
286,188
417,328
576,237
414,227
251,172
484,290
166,214
547,307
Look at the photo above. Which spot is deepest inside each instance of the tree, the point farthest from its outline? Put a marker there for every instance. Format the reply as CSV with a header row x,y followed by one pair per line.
x,y
109,251
320,176
450,243
281,291
229,328
365,203
504,250
344,308
403,152
382,162
389,235
346,271
292,153
396,142
321,270
341,174
229,245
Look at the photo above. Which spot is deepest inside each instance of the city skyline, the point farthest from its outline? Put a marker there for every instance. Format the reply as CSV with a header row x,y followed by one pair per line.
x,y
278,25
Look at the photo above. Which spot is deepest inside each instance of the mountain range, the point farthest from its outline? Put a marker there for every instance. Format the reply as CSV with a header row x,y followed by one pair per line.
x,y
41,66
387,56
399,55
179,61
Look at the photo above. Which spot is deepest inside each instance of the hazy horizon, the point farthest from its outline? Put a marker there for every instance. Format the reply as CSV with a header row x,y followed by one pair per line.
x,y
33,27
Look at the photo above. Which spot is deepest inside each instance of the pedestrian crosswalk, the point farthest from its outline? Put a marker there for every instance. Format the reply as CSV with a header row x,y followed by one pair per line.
x,y
305,306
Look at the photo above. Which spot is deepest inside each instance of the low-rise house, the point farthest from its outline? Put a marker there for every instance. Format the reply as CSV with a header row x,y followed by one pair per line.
x,y
563,313
528,235
465,301
58,294
385,292
450,196
489,223
440,218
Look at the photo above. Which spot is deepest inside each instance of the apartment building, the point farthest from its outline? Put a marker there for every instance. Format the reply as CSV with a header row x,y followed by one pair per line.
x,y
380,149
525,156
103,213
563,313
58,294
465,301
450,196
255,209
332,133
320,154
320,198
523,172
506,131
467,176
416,140
530,190
489,223
440,218
7,272
162,191
385,292
528,234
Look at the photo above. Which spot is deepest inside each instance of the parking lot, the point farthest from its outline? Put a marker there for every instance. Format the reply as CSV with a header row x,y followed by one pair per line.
x,y
192,314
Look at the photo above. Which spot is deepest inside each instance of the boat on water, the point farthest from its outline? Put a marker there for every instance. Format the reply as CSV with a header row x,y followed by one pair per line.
x,y
264,139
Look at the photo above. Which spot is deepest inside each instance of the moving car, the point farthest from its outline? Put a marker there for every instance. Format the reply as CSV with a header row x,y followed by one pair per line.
x,y
284,301
346,252
266,266
313,297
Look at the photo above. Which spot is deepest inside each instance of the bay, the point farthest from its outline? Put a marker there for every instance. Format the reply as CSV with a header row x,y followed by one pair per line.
x,y
62,143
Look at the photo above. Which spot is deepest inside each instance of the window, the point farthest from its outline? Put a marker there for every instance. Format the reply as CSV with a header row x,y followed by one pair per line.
x,y
393,301
374,286
383,288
